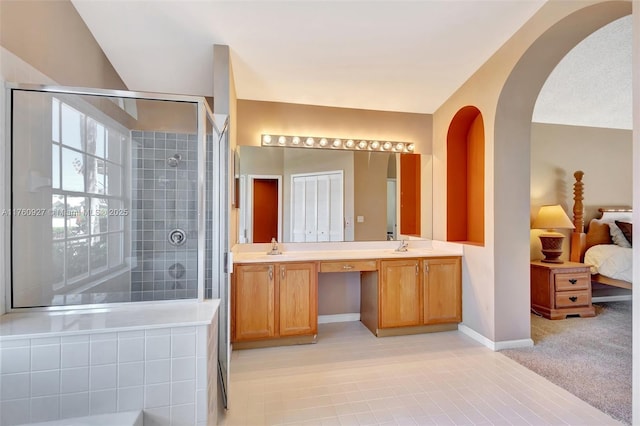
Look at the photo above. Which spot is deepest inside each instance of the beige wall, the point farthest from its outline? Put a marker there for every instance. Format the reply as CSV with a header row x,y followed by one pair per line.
x,y
370,196
557,151
496,276
257,117
51,36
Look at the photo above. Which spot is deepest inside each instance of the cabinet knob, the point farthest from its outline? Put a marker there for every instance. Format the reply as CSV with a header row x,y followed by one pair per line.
x,y
573,280
271,273
347,267
282,272
573,298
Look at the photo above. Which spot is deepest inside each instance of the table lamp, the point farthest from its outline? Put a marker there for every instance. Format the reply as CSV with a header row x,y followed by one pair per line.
x,y
551,218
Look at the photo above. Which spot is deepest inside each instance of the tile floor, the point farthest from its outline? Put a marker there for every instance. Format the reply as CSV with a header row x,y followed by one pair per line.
x,y
350,377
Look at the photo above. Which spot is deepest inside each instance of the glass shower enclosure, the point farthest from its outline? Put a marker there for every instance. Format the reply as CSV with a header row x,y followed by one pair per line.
x,y
116,197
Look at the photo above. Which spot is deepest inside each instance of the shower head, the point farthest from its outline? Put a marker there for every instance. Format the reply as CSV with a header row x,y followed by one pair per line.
x,y
174,160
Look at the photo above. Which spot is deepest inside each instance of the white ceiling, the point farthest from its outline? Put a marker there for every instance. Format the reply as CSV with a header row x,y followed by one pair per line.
x,y
388,55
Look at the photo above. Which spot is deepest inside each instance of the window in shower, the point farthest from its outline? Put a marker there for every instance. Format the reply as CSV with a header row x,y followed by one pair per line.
x,y
87,202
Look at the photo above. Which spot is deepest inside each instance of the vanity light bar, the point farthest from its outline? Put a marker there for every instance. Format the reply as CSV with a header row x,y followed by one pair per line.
x,y
336,143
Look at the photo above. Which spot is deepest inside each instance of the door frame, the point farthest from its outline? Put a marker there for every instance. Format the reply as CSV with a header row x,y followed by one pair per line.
x,y
248,202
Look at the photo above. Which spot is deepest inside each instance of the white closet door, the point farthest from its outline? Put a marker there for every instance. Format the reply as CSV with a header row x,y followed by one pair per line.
x,y
324,208
298,210
336,210
317,207
311,209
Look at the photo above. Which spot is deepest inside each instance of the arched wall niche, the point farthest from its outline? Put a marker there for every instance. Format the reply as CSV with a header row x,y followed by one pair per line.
x,y
465,177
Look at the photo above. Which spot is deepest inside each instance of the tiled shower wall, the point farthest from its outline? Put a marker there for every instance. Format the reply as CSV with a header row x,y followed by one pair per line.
x,y
164,198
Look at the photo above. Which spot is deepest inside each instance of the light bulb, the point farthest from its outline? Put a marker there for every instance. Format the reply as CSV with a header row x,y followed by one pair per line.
x,y
362,144
350,143
266,138
282,140
295,140
410,147
386,145
375,145
399,146
323,142
337,143
309,142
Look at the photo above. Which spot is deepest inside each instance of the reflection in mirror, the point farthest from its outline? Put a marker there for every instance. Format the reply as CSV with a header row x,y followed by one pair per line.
x,y
303,195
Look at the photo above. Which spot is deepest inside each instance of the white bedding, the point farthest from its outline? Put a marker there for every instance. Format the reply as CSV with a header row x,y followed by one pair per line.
x,y
611,261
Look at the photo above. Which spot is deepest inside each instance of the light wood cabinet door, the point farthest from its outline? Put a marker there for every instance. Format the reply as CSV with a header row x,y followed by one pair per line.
x,y
442,288
254,297
400,293
298,283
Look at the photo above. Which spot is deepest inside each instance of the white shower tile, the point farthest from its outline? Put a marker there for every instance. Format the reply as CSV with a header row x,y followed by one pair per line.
x,y
158,395
103,377
14,386
15,412
45,383
104,352
45,357
97,337
158,371
183,369
183,392
74,354
130,374
78,338
158,347
74,405
73,380
130,399
45,408
183,345
14,360
131,334
102,401
45,341
130,350
183,414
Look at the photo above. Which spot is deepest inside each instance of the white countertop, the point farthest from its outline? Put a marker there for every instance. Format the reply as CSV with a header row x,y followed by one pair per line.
x,y
292,252
132,316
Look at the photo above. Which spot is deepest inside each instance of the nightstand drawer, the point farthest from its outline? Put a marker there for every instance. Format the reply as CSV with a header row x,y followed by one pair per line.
x,y
568,299
568,282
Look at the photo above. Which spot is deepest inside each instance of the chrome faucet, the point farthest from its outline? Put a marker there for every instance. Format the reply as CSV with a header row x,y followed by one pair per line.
x,y
404,246
274,247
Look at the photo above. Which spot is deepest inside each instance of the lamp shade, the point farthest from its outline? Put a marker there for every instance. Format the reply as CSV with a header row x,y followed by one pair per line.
x,y
552,217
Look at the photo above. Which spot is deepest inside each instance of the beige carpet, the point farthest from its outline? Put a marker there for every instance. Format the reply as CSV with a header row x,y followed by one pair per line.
x,y
589,357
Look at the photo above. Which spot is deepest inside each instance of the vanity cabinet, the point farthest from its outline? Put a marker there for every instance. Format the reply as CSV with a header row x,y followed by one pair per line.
x,y
254,301
273,300
298,299
414,296
399,290
442,290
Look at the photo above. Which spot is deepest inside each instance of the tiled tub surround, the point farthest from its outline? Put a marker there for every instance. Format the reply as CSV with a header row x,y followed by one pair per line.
x,y
164,198
160,358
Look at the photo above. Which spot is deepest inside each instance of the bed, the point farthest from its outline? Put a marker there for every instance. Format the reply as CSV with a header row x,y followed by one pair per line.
x,y
606,244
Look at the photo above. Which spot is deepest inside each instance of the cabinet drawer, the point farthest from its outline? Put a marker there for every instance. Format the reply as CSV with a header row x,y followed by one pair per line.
x,y
568,299
574,281
348,266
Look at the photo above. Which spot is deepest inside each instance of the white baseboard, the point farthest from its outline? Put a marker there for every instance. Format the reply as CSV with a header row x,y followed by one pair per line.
x,y
494,346
325,319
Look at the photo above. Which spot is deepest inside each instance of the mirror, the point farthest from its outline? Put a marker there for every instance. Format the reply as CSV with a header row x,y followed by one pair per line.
x,y
312,195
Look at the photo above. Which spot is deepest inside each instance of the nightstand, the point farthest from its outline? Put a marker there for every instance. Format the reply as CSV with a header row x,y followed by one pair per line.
x,y
561,289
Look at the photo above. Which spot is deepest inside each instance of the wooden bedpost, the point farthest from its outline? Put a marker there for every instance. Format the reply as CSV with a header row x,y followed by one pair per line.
x,y
578,238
